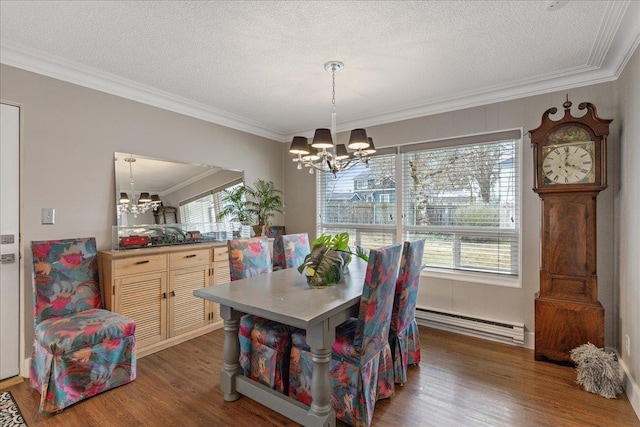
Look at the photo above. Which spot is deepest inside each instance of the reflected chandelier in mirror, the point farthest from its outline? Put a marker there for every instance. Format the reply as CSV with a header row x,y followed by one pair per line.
x,y
128,203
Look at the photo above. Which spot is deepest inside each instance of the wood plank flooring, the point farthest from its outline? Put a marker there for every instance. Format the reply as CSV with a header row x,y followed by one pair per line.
x,y
462,381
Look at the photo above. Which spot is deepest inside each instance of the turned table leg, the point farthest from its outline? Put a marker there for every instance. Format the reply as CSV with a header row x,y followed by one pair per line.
x,y
231,353
320,338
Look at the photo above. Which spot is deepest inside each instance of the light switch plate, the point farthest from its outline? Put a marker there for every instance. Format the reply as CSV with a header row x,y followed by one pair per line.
x,y
48,215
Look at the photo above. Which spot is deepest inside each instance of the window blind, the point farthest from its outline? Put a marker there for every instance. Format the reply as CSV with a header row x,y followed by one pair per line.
x,y
201,209
463,197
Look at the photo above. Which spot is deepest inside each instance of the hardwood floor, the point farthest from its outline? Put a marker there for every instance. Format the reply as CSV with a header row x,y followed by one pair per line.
x,y
461,381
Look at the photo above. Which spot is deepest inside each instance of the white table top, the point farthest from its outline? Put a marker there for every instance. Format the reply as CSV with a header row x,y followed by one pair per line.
x,y
284,295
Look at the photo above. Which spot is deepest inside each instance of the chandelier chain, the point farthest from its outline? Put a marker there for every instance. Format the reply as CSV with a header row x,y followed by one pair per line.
x,y
333,94
324,154
130,205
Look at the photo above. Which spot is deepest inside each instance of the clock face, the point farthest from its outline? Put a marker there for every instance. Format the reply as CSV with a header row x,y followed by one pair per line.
x,y
568,163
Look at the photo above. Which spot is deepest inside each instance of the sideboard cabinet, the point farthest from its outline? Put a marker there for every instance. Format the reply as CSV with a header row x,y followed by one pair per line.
x,y
154,287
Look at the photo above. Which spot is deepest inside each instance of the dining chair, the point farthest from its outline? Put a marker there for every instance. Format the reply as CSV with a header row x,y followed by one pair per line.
x,y
264,344
79,349
404,337
296,248
361,366
276,232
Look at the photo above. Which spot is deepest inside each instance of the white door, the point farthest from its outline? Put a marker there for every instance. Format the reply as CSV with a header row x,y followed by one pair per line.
x,y
9,242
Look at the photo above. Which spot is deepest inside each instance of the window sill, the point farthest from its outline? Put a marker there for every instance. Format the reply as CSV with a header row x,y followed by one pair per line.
x,y
471,277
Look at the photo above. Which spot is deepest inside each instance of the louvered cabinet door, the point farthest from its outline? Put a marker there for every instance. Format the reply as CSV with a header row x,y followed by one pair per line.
x,y
220,274
187,312
143,298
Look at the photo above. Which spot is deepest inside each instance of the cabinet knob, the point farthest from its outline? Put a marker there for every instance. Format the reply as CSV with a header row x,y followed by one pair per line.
x,y
143,262
164,295
190,256
173,293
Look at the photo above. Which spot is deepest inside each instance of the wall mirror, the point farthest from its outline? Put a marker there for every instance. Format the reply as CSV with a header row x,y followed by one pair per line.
x,y
151,190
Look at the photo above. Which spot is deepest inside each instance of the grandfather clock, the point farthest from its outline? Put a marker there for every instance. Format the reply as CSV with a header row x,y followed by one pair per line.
x,y
570,161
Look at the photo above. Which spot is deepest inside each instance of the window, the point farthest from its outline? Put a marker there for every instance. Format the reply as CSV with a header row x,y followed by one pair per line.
x,y
360,200
463,198
198,211
202,208
462,195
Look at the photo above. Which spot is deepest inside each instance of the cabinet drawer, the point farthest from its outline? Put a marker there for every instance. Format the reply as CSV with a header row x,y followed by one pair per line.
x,y
220,253
141,264
188,258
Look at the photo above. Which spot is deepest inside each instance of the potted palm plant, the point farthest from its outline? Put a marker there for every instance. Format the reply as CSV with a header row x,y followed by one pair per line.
x,y
264,200
234,206
234,209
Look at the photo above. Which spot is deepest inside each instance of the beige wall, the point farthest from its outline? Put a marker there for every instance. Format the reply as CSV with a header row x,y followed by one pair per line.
x,y
627,230
495,302
69,136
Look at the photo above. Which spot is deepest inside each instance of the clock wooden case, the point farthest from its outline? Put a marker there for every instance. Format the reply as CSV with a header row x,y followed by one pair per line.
x,y
570,160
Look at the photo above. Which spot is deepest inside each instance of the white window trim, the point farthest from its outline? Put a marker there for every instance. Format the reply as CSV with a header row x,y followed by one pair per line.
x,y
494,279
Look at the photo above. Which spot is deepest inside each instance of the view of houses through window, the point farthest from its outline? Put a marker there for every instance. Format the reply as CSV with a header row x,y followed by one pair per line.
x,y
463,198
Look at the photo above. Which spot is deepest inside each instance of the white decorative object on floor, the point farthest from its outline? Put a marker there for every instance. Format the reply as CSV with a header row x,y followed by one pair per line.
x,y
597,370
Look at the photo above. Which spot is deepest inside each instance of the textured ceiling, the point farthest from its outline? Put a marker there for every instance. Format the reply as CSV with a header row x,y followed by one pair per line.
x,y
259,66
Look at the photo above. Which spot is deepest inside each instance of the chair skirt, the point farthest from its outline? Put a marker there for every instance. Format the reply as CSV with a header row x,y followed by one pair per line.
x,y
265,348
405,349
76,357
356,384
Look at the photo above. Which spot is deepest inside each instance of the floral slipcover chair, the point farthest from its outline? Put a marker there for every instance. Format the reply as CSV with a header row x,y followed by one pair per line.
x,y
276,232
404,337
79,349
361,365
264,345
296,248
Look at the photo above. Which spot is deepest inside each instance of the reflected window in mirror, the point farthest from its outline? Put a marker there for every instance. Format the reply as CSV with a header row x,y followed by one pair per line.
x,y
208,207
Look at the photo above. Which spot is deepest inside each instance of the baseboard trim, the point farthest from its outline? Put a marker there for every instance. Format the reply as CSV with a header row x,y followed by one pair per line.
x,y
10,382
26,367
631,388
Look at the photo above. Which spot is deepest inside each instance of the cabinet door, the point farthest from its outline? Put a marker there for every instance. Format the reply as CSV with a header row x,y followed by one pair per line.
x,y
143,298
221,274
187,312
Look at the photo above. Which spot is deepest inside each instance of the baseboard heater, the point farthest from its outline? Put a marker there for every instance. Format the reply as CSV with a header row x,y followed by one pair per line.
x,y
476,326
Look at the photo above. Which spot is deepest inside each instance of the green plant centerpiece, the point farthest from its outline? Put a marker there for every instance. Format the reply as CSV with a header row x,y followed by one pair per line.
x,y
329,258
264,200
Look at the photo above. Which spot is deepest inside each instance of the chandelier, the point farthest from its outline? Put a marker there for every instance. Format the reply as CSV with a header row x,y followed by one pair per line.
x,y
322,154
144,202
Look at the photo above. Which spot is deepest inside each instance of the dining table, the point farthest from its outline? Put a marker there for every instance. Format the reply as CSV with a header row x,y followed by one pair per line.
x,y
284,296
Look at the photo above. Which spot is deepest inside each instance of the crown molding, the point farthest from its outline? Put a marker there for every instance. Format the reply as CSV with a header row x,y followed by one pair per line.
x,y
553,82
607,31
629,34
51,66
617,39
606,62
